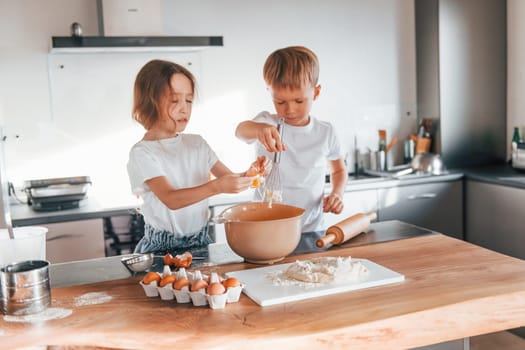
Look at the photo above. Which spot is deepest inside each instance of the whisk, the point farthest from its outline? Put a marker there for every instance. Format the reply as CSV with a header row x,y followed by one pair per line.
x,y
273,191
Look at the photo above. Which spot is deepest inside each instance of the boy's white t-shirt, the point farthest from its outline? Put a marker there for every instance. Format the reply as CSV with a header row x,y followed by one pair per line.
x,y
304,165
186,161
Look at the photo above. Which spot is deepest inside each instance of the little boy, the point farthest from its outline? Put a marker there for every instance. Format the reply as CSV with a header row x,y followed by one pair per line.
x,y
309,146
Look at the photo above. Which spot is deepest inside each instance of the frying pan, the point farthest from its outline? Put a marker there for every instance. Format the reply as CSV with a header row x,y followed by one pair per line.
x,y
424,163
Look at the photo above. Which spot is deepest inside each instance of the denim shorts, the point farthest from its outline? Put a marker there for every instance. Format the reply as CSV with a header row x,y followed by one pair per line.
x,y
161,242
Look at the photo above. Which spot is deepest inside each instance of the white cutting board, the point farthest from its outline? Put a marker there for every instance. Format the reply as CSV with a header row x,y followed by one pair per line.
x,y
264,292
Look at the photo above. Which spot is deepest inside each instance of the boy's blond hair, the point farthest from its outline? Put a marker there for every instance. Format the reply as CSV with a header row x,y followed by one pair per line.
x,y
291,67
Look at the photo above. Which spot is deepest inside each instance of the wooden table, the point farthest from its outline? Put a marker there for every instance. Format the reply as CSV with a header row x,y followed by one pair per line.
x,y
452,290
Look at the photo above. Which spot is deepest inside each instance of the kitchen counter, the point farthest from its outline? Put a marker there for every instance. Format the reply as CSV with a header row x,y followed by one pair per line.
x,y
110,268
89,208
452,290
24,215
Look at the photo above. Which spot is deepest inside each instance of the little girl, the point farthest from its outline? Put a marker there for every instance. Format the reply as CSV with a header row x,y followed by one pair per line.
x,y
171,170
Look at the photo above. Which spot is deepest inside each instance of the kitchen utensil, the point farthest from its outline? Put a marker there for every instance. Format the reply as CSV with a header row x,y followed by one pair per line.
x,y
138,262
273,188
25,287
262,233
346,229
57,193
424,163
29,243
264,292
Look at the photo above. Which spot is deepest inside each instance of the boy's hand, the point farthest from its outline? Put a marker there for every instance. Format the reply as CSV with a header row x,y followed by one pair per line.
x,y
333,204
269,137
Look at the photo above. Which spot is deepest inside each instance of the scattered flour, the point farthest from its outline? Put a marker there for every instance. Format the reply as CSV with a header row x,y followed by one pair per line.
x,y
92,299
48,314
324,270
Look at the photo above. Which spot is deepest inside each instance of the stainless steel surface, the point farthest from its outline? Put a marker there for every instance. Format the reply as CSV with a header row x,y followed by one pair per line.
x,y
273,187
25,287
424,163
5,217
73,180
138,262
56,193
461,77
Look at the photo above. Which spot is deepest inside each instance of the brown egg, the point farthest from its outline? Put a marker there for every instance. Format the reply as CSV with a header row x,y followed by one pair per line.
x,y
198,285
231,282
183,260
168,259
167,280
215,289
181,283
150,277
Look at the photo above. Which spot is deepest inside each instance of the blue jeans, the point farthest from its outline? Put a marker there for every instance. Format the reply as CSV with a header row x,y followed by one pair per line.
x,y
161,242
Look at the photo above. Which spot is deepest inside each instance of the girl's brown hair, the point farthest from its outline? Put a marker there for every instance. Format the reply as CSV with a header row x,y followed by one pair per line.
x,y
291,67
151,84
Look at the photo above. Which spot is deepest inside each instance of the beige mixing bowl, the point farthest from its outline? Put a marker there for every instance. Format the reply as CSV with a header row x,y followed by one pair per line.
x,y
261,232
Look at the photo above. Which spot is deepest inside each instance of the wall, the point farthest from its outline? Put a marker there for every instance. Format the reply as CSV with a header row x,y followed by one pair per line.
x,y
366,50
515,68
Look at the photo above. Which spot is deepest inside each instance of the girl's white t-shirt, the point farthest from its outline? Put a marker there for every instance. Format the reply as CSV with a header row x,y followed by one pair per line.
x,y
186,161
304,165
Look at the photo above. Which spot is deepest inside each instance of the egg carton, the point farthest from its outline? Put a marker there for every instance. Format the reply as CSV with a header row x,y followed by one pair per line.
x,y
191,288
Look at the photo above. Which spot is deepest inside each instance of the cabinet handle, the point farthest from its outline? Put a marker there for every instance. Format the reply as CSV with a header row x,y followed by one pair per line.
x,y
68,235
422,196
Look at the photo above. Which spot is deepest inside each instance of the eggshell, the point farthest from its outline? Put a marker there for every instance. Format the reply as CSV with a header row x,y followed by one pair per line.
x,y
215,289
168,259
150,277
180,283
231,282
182,260
168,279
198,285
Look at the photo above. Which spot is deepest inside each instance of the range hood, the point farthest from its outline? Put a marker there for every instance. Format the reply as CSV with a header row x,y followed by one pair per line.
x,y
129,25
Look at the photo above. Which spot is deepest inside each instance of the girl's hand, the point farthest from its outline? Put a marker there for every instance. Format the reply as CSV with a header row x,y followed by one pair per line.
x,y
261,166
233,183
269,137
333,203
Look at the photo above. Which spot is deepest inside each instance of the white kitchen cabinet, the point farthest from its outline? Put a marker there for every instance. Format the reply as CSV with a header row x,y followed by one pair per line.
x,y
494,217
355,202
437,206
75,240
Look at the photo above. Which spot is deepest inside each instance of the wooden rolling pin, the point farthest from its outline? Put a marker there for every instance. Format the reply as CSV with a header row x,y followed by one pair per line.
x,y
346,229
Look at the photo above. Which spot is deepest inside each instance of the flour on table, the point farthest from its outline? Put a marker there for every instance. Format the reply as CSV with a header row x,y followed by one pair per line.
x,y
46,315
319,271
92,299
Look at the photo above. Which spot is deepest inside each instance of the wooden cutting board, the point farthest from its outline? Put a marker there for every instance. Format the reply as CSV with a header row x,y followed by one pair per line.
x,y
261,289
